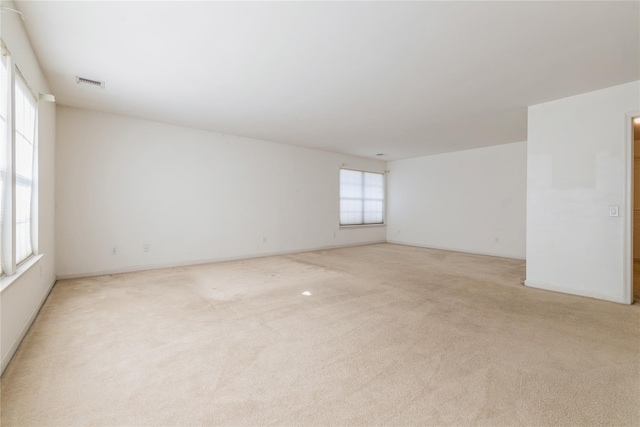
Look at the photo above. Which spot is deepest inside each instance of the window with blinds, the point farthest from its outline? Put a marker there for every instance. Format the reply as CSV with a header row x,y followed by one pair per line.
x,y
18,130
25,134
4,144
361,197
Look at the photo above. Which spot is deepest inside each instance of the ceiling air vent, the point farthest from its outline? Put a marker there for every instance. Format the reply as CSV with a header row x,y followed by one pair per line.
x,y
82,80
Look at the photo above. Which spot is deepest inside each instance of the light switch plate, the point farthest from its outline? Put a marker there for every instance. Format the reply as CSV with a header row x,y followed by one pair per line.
x,y
613,211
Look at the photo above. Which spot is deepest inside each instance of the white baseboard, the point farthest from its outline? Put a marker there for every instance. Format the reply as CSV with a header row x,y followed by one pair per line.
x,y
572,291
451,249
137,268
25,328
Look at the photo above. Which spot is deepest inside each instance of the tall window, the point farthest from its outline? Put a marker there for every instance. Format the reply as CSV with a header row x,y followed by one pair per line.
x,y
25,136
4,148
361,197
18,119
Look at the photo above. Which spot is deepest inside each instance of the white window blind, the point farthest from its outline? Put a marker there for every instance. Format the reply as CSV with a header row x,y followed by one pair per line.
x,y
25,135
361,197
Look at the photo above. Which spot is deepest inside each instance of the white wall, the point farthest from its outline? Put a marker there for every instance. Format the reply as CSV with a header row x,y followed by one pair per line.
x,y
192,195
469,201
578,154
21,300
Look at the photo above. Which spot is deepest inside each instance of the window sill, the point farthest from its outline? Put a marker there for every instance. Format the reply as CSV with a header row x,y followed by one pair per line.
x,y
363,225
7,281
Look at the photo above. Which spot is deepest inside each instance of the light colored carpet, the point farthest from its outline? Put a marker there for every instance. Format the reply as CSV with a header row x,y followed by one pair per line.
x,y
390,335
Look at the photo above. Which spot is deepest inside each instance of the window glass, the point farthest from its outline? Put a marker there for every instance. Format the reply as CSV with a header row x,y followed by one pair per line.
x,y
361,197
18,132
4,138
25,131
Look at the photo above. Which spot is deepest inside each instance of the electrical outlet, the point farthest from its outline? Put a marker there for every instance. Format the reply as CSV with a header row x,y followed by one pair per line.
x,y
145,247
114,250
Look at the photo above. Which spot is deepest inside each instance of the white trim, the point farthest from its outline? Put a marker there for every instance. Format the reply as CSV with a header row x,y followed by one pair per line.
x,y
6,358
343,166
574,291
452,249
22,268
7,242
136,268
362,225
35,184
627,191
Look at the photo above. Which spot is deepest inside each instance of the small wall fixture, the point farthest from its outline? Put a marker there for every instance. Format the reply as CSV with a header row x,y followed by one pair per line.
x,y
8,9
47,97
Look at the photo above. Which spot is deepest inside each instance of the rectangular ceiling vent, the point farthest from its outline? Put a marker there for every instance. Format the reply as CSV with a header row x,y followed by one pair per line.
x,y
82,80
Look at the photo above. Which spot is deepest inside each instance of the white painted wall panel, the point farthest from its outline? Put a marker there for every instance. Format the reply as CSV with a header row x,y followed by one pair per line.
x,y
21,300
469,201
192,195
577,154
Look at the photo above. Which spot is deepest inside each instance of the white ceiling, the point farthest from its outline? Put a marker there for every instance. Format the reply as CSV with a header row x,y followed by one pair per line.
x,y
402,78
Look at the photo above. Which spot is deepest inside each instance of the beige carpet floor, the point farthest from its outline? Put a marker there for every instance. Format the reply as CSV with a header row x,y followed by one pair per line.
x,y
390,335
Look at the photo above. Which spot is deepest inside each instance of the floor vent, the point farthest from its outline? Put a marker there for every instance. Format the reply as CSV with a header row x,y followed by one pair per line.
x,y
82,80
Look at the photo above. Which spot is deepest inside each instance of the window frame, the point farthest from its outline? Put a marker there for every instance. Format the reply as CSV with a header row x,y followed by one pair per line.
x,y
10,269
19,180
384,199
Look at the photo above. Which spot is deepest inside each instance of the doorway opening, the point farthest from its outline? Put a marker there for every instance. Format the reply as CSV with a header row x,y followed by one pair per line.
x,y
635,282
